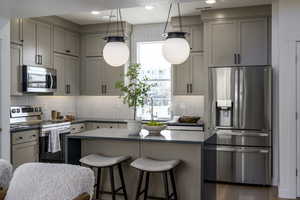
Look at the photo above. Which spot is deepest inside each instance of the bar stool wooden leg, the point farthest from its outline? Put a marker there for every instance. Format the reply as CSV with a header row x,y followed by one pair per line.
x,y
140,181
98,183
166,185
146,186
173,184
112,183
122,181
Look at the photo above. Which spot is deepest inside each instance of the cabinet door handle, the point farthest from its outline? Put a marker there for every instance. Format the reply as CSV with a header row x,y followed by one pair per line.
x,y
66,89
69,89
239,58
37,59
191,88
41,59
68,51
235,59
187,88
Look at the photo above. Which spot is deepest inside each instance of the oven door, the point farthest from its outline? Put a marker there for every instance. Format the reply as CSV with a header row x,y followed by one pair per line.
x,y
45,156
38,79
247,165
241,138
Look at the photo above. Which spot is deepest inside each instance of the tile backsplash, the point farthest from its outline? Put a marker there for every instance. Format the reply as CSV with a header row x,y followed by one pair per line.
x,y
63,104
110,107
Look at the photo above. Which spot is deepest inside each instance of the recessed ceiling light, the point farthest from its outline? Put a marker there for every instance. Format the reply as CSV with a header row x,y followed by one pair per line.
x,y
149,7
210,1
94,12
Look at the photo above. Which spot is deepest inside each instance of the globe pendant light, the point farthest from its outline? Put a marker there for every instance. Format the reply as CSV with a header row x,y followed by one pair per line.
x,y
116,51
176,49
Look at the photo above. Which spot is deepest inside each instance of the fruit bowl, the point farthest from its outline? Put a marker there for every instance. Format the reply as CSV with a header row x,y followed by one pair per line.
x,y
154,128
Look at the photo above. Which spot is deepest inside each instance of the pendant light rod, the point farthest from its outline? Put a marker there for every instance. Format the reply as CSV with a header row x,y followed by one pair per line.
x,y
166,25
179,17
120,26
179,14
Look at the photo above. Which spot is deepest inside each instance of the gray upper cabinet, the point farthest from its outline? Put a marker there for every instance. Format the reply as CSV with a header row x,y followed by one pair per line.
x,y
93,84
94,44
16,31
66,42
100,78
196,38
67,75
59,65
110,75
239,42
15,70
36,43
44,41
181,78
198,73
189,77
254,40
72,76
223,43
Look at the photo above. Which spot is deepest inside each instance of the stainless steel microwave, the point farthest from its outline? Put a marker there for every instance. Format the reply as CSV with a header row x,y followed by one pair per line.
x,y
38,79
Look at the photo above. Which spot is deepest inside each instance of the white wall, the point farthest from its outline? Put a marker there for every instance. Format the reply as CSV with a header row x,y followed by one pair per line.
x,y
286,30
4,88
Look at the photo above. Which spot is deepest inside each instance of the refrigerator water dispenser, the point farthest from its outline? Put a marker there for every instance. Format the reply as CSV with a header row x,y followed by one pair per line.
x,y
224,113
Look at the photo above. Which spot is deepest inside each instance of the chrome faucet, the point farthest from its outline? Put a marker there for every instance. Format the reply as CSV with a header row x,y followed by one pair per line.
x,y
152,115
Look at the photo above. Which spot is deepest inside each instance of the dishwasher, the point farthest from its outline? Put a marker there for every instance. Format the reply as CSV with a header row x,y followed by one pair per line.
x,y
25,147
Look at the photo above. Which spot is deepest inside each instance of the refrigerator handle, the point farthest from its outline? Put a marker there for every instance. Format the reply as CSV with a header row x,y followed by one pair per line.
x,y
236,100
241,99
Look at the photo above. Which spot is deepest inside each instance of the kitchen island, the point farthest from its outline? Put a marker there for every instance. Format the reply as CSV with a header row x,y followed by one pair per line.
x,y
186,146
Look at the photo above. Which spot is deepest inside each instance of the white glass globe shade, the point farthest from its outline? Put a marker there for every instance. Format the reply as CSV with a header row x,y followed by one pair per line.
x,y
116,53
176,50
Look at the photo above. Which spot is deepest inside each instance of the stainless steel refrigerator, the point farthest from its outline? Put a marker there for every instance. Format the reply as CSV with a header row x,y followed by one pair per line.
x,y
241,117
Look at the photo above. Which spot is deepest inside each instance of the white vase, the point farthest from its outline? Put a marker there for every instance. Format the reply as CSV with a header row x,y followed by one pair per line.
x,y
134,127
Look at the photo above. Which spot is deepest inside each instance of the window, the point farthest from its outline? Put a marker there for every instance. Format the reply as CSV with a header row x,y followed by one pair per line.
x,y
158,70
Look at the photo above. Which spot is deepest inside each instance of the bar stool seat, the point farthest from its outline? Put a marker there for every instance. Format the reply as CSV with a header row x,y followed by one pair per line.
x,y
150,165
96,160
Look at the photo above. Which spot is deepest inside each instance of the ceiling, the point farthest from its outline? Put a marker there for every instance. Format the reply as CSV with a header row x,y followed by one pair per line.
x,y
139,15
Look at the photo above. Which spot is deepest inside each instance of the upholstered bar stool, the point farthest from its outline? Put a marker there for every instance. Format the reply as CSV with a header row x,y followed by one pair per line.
x,y
148,166
99,162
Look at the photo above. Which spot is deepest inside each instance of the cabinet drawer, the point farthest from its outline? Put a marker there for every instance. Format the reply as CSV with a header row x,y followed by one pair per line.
x,y
77,128
26,136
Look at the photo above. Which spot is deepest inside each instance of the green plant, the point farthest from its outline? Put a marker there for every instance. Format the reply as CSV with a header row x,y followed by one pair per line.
x,y
135,89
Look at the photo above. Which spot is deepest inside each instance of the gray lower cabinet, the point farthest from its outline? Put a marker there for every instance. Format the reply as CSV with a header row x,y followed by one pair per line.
x,y
239,42
67,75
189,77
37,43
25,147
99,78
66,42
15,69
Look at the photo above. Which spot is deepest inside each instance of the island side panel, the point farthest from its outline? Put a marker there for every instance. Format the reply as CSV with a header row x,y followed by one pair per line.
x,y
115,148
187,175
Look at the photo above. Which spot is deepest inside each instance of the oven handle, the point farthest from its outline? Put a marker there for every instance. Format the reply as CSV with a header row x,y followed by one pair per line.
x,y
239,150
248,134
52,81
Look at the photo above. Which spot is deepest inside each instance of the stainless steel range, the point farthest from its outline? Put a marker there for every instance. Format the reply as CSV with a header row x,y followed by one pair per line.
x,y
241,116
26,117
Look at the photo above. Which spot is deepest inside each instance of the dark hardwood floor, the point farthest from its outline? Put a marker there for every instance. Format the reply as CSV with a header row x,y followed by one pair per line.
x,y
239,192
